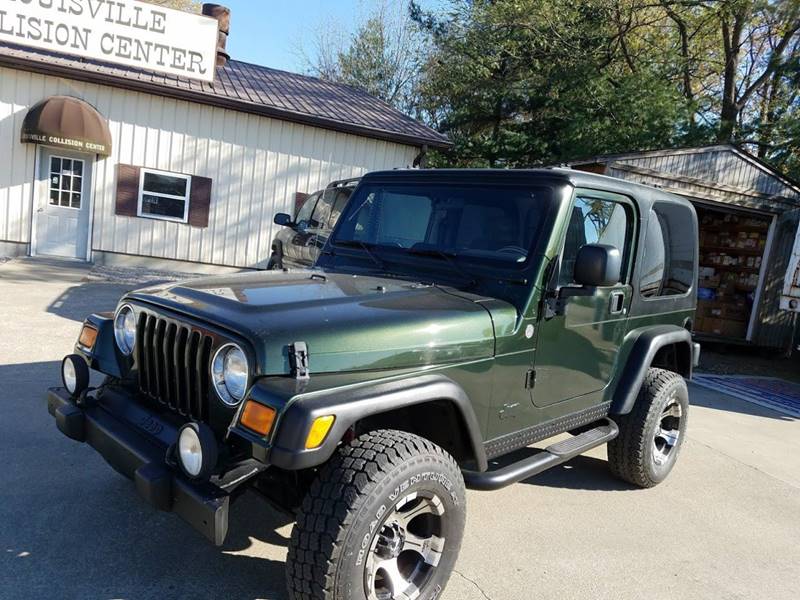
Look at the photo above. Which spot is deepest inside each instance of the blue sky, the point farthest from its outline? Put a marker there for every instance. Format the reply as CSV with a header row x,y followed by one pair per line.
x,y
270,32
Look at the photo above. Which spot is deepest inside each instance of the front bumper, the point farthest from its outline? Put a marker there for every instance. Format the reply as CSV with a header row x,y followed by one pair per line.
x,y
135,442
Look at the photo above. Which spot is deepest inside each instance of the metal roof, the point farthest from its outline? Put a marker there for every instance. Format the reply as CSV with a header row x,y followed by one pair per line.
x,y
720,171
247,88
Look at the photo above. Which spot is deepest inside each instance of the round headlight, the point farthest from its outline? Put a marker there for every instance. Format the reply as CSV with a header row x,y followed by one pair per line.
x,y
230,374
125,329
197,450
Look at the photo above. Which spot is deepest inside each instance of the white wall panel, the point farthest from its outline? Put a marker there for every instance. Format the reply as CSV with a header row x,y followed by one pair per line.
x,y
256,164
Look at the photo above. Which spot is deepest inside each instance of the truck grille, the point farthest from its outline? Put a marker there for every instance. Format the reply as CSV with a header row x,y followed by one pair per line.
x,y
173,362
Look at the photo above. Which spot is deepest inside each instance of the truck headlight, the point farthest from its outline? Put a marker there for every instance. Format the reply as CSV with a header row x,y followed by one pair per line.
x,y
230,373
125,329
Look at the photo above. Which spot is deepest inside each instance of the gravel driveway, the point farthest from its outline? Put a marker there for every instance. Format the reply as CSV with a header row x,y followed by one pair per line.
x,y
725,525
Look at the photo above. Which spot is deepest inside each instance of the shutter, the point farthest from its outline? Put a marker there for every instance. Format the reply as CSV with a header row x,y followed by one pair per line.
x,y
200,202
127,190
299,198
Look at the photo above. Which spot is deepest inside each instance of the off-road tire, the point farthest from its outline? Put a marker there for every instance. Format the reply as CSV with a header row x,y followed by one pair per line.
x,y
632,454
350,501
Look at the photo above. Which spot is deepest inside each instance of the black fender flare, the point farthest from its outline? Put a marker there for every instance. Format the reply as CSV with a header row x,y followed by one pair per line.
x,y
349,405
643,345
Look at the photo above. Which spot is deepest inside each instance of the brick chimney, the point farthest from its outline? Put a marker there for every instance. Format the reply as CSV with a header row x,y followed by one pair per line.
x,y
223,15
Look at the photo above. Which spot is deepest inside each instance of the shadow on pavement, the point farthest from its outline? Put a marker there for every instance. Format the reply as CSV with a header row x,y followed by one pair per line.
x,y
98,297
71,527
94,297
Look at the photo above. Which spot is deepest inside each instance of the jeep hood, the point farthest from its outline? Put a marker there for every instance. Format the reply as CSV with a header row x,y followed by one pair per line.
x,y
349,322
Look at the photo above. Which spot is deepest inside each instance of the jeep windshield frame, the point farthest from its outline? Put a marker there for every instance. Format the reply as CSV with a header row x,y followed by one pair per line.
x,y
479,236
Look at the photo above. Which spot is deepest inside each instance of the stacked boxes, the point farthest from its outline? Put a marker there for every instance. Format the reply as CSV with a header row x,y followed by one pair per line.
x,y
731,251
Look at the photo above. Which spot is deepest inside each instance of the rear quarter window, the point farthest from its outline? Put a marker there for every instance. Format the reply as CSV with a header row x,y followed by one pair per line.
x,y
669,253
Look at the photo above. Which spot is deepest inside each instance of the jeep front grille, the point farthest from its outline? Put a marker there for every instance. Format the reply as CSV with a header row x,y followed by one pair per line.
x,y
173,362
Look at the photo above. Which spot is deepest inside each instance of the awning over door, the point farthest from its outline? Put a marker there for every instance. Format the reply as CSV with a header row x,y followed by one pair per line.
x,y
67,122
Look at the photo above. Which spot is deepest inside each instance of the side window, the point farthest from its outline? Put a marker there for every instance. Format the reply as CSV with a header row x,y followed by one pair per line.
x,y
340,201
669,252
323,210
653,258
594,221
305,212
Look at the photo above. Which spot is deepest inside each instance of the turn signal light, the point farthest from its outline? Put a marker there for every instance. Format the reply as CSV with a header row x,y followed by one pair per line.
x,y
257,417
88,337
319,430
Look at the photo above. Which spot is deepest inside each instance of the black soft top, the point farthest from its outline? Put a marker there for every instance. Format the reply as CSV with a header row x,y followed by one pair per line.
x,y
644,195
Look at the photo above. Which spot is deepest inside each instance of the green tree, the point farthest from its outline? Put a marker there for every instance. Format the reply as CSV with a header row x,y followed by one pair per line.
x,y
736,62
516,83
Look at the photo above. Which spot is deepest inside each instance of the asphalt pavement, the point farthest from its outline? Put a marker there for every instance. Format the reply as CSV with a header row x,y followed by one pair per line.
x,y
725,525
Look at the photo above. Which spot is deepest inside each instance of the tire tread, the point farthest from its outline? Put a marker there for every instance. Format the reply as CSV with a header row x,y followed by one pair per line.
x,y
626,453
332,504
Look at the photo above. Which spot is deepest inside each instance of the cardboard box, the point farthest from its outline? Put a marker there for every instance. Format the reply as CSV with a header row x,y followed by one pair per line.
x,y
703,306
734,329
706,272
725,328
713,325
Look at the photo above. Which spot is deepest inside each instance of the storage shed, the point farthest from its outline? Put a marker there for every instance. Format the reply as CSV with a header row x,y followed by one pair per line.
x,y
112,164
748,214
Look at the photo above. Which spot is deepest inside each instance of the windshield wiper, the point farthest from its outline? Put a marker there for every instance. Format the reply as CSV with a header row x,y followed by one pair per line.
x,y
365,247
446,256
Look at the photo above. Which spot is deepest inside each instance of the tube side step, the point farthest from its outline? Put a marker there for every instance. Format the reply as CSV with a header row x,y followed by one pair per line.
x,y
553,455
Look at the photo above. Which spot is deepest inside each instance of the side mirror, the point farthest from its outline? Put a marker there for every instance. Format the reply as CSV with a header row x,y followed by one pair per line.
x,y
283,220
598,265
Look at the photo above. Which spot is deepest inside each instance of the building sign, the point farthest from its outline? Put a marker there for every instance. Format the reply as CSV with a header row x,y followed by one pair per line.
x,y
62,142
126,32
67,122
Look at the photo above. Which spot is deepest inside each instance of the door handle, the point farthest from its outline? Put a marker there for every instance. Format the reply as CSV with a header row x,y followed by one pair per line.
x,y
616,301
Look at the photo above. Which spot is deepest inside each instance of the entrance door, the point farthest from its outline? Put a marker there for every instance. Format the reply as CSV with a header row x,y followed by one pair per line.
x,y
63,203
576,351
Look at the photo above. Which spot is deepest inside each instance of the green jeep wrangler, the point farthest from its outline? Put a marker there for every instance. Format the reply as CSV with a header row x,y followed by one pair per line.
x,y
453,319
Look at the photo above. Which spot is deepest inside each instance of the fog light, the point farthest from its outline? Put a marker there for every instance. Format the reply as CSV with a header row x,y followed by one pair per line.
x,y
197,450
74,374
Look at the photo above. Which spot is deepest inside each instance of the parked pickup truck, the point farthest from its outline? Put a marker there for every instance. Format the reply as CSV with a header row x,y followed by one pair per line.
x,y
454,318
300,239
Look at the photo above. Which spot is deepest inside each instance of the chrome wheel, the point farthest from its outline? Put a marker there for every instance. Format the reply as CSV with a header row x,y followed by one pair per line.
x,y
407,548
668,432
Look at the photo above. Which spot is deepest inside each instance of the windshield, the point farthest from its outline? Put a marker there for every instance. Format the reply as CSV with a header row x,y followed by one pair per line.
x,y
493,226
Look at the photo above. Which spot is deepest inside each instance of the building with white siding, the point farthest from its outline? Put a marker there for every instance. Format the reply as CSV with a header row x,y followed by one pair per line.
x,y
176,170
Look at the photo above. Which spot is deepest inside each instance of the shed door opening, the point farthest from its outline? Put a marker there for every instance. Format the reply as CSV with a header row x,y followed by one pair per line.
x,y
63,204
732,248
